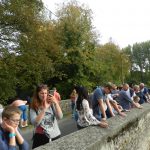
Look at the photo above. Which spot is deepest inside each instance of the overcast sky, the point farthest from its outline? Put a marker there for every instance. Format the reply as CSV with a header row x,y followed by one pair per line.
x,y
125,21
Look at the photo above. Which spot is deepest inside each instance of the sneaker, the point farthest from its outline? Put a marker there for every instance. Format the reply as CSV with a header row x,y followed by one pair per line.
x,y
24,126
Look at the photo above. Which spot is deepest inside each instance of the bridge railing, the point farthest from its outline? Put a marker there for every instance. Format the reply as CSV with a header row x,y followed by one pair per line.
x,y
129,133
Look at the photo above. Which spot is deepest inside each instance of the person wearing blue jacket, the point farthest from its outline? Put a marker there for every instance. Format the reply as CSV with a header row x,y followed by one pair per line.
x,y
10,137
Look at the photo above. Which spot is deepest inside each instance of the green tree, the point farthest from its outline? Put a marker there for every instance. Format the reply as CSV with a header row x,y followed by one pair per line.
x,y
140,60
111,63
8,78
16,17
77,41
20,46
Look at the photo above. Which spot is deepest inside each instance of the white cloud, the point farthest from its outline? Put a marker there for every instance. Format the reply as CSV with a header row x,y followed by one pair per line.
x,y
126,21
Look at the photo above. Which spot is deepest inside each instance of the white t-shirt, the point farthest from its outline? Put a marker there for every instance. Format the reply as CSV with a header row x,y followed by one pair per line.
x,y
85,116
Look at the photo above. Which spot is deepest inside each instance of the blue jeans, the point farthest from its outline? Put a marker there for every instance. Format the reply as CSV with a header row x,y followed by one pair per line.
x,y
97,113
23,108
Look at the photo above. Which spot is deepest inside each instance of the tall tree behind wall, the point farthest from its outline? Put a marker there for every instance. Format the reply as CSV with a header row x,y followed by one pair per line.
x,y
112,63
140,59
22,46
141,55
77,40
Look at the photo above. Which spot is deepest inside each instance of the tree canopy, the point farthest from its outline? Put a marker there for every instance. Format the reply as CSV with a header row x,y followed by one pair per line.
x,y
62,52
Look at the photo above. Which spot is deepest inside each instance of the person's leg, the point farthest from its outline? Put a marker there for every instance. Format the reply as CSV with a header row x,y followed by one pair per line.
x,y
97,114
108,114
23,122
21,117
25,115
39,139
73,108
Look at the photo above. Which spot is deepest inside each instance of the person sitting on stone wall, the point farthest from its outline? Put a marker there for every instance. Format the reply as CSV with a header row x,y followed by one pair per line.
x,y
136,99
102,108
140,94
85,113
125,100
144,90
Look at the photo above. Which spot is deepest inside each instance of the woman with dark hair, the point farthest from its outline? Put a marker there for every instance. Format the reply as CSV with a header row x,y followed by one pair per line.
x,y
44,110
85,113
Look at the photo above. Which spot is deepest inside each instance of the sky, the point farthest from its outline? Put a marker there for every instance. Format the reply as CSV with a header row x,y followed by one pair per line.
x,y
124,21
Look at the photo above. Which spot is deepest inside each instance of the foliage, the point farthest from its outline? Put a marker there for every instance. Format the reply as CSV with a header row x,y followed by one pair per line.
x,y
8,78
113,64
140,60
62,52
18,23
77,40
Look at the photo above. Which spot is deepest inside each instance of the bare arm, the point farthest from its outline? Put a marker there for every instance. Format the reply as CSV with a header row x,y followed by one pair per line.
x,y
56,105
12,140
36,118
58,110
109,107
115,106
11,130
101,105
137,105
19,137
23,145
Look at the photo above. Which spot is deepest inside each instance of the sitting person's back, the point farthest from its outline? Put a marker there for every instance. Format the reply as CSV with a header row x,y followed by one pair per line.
x,y
124,100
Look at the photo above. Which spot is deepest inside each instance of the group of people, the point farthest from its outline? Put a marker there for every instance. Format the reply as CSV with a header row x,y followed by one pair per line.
x,y
106,102
91,109
44,112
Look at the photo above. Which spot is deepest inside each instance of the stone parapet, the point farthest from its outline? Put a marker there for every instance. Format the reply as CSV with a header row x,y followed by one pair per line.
x,y
66,106
129,133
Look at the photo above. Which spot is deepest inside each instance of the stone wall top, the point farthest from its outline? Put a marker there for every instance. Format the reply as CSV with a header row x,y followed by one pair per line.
x,y
95,138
